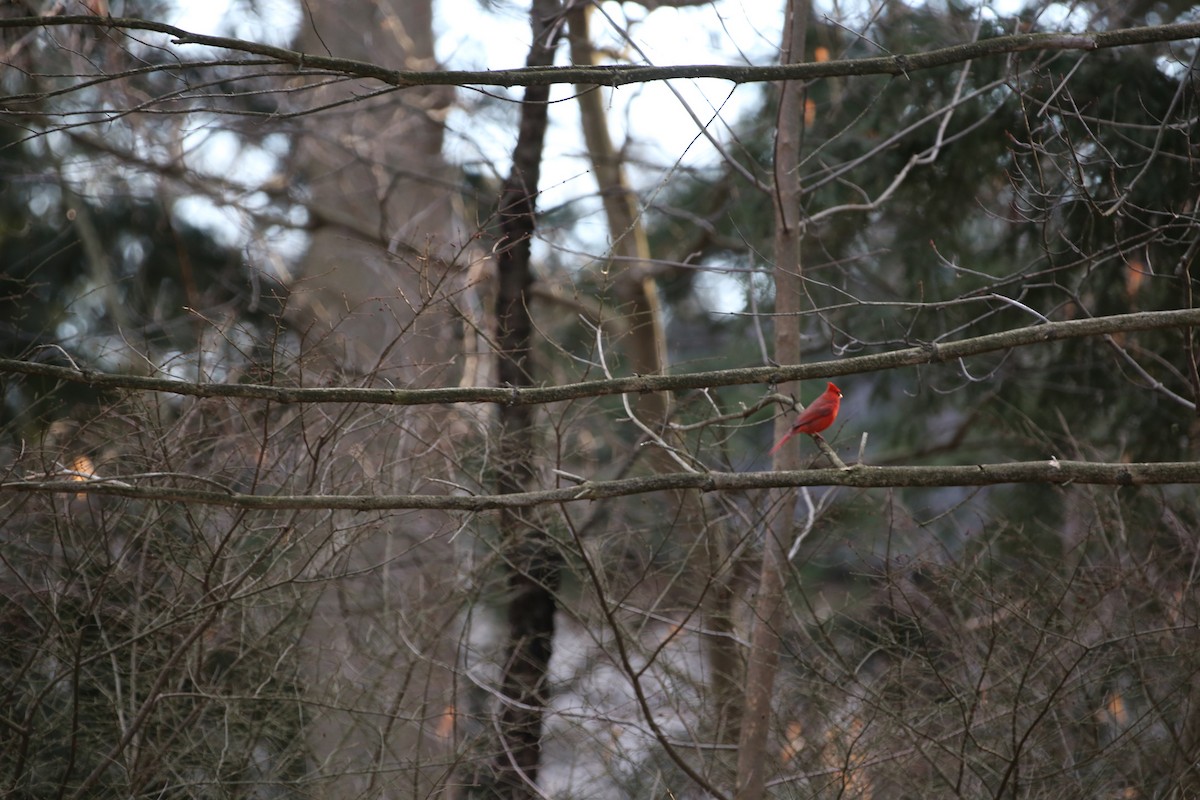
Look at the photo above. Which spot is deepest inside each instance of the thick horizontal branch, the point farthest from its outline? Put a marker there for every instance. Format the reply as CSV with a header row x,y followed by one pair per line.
x,y
862,477
621,74
912,356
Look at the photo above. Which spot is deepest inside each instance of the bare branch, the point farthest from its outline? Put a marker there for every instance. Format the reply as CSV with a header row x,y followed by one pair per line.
x,y
1053,471
624,74
930,353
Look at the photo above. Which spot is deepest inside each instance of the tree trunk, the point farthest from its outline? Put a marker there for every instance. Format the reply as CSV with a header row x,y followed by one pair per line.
x,y
768,611
644,341
377,266
637,293
381,624
533,563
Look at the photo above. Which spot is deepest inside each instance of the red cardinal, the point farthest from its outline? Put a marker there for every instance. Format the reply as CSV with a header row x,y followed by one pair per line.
x,y
819,415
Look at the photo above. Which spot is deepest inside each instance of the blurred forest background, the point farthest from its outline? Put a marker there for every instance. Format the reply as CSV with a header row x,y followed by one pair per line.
x,y
236,592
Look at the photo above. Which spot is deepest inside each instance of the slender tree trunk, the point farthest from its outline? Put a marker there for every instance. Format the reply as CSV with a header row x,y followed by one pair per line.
x,y
768,611
645,344
532,561
645,348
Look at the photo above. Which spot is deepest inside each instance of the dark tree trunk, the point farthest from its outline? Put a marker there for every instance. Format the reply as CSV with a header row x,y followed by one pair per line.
x,y
532,561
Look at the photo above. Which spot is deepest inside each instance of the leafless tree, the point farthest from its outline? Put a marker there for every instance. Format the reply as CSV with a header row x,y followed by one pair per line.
x,y
415,491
